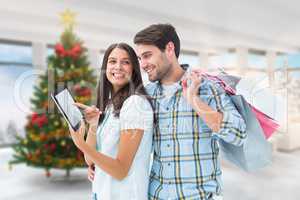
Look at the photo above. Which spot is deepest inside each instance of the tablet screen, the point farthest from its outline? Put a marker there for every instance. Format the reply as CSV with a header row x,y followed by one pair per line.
x,y
66,105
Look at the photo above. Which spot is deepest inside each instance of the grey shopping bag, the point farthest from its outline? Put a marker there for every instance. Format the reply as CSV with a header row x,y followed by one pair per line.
x,y
256,152
230,80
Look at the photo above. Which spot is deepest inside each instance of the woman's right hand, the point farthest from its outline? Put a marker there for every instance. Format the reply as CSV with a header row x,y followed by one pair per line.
x,y
91,172
91,114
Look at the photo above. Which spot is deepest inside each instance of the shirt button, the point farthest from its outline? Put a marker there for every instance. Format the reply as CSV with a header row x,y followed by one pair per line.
x,y
169,164
169,182
167,108
168,145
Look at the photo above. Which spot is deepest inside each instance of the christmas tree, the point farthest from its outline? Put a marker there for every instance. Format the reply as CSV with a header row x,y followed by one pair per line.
x,y
47,143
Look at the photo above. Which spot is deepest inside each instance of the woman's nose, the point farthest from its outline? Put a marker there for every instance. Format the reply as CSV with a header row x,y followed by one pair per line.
x,y
118,65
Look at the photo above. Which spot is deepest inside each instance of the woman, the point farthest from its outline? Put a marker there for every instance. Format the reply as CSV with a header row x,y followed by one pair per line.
x,y
119,141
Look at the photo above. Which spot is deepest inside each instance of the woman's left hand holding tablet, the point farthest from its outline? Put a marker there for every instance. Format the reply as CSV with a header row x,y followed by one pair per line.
x,y
78,136
91,115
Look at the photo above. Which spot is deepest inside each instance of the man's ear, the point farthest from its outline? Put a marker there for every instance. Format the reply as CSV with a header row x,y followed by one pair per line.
x,y
170,50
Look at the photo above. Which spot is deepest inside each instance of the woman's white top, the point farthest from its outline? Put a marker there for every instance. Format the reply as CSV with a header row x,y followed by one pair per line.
x,y
136,113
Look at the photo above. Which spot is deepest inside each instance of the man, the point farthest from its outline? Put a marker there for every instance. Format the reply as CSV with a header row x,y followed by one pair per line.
x,y
192,114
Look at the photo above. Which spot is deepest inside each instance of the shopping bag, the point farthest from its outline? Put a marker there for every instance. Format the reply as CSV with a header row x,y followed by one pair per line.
x,y
255,152
268,124
228,83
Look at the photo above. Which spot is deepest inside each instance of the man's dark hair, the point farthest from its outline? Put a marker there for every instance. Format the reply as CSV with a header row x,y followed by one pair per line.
x,y
159,35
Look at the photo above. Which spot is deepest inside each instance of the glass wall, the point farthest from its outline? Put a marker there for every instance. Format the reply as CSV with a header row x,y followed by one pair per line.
x,y
15,62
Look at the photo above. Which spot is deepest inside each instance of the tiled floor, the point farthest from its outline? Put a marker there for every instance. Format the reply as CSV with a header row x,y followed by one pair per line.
x,y
281,181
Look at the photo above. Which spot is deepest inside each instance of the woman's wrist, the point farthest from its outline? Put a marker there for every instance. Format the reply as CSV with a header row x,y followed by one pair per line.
x,y
93,128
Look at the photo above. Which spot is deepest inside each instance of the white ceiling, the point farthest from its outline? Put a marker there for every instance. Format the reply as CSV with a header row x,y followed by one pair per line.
x,y
203,25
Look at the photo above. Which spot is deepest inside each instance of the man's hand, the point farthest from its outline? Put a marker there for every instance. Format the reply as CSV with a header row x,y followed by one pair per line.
x,y
190,85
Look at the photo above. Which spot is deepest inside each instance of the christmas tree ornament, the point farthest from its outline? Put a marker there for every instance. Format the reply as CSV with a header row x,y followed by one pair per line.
x,y
25,141
45,90
56,123
43,137
68,19
63,143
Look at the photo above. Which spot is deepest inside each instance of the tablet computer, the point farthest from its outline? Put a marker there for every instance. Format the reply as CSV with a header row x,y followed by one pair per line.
x,y
65,103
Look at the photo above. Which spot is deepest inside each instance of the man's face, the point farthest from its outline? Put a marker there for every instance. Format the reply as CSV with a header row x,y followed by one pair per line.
x,y
153,61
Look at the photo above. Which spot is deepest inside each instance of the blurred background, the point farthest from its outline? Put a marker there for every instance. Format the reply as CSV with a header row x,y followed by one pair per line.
x,y
256,40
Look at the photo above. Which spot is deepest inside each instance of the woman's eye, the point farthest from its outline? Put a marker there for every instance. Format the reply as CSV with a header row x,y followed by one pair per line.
x,y
126,62
112,62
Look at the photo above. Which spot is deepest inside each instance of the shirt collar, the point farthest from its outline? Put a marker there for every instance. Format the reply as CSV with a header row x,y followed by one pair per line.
x,y
178,84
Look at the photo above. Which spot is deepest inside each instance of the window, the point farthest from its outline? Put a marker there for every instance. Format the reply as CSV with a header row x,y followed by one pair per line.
x,y
50,50
257,60
226,60
281,61
190,58
294,60
15,61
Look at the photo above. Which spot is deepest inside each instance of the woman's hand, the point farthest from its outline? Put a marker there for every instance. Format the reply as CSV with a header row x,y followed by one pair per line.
x,y
78,136
192,90
91,172
91,114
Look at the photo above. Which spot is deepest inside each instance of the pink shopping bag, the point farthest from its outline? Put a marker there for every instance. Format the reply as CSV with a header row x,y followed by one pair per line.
x,y
268,124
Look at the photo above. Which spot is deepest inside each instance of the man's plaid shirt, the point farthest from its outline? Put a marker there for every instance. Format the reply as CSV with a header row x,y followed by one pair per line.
x,y
186,154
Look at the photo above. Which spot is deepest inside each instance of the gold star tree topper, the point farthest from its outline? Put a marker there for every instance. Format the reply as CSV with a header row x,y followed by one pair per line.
x,y
67,18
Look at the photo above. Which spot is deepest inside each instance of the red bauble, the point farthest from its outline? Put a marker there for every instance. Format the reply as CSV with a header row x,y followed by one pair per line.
x,y
38,152
52,147
29,156
75,51
85,92
77,88
82,91
46,146
43,137
60,50
39,120
34,116
43,120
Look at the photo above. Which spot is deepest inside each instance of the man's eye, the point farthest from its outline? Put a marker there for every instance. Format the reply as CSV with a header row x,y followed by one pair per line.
x,y
147,56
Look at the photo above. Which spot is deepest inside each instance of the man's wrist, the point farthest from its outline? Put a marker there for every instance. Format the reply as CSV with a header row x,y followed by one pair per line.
x,y
193,99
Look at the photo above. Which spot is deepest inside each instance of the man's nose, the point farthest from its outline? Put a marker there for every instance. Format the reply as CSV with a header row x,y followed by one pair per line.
x,y
143,64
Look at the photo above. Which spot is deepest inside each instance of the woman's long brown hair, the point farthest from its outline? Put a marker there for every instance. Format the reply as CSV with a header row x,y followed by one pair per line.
x,y
135,85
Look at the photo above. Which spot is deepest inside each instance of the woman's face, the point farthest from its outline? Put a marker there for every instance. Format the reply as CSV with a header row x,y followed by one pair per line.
x,y
119,68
